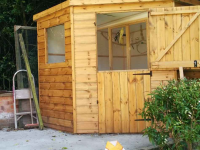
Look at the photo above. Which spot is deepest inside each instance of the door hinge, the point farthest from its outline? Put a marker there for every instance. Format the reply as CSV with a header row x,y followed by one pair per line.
x,y
150,73
142,119
97,102
195,63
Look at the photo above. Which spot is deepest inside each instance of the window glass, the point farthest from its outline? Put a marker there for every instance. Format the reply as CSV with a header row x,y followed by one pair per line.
x,y
138,46
119,48
122,41
103,50
56,44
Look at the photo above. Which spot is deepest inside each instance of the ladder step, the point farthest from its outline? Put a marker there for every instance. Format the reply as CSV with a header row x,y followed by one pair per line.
x,y
23,94
25,113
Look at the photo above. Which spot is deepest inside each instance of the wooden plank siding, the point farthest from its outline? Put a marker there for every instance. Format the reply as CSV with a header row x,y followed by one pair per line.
x,y
162,77
55,80
165,27
121,99
85,73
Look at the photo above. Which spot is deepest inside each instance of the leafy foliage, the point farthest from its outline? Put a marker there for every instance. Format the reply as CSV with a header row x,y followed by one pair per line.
x,y
174,110
15,12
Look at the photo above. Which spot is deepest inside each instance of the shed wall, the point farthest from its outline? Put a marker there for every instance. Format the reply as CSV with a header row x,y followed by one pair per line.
x,y
85,59
166,28
162,77
55,80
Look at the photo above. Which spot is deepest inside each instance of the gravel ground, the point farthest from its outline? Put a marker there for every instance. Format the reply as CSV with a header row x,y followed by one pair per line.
x,y
48,139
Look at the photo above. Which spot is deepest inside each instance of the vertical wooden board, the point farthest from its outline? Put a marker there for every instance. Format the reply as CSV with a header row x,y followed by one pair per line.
x,y
140,100
110,48
46,46
124,102
71,24
128,52
199,31
116,102
101,100
185,39
177,28
132,102
148,44
153,37
194,37
147,91
41,45
161,32
169,35
109,102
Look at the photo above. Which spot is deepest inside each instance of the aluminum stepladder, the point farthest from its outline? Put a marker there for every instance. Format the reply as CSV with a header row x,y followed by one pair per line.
x,y
22,94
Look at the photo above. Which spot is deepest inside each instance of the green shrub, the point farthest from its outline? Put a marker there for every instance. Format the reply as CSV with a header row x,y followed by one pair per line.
x,y
174,111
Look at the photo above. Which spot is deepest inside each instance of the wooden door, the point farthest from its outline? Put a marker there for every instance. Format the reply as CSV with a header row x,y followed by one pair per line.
x,y
121,97
174,37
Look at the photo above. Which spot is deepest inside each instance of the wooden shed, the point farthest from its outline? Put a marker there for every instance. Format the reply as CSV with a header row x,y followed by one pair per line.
x,y
99,59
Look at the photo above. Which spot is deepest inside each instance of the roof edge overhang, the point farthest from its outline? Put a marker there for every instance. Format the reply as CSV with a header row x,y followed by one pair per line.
x,y
51,10
69,3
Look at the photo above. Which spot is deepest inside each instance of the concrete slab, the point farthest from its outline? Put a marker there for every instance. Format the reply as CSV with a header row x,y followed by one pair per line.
x,y
49,139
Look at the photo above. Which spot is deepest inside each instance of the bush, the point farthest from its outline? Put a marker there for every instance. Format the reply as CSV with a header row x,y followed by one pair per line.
x,y
174,111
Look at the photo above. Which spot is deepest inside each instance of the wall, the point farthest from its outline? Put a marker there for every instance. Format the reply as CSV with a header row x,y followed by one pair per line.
x,y
162,77
6,110
55,80
165,28
85,60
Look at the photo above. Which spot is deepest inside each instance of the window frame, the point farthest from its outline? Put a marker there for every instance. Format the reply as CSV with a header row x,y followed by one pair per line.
x,y
46,45
128,55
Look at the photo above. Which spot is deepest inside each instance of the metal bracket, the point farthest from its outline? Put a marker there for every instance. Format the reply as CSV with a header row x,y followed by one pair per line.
x,y
195,63
142,119
150,73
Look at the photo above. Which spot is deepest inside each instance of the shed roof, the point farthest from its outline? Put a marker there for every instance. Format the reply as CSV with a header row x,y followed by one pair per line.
x,y
99,2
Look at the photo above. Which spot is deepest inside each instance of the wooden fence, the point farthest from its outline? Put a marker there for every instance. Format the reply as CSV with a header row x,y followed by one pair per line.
x,y
121,97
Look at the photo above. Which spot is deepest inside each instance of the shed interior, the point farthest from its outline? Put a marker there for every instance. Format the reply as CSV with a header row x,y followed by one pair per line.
x,y
133,31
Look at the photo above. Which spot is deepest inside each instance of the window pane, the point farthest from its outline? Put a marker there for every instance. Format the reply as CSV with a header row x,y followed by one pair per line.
x,y
56,44
138,46
119,49
103,50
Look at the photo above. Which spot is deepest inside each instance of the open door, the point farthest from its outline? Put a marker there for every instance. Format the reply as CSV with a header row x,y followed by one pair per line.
x,y
174,37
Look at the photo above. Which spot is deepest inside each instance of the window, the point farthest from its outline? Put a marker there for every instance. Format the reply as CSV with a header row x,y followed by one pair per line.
x,y
138,46
122,41
56,44
119,49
